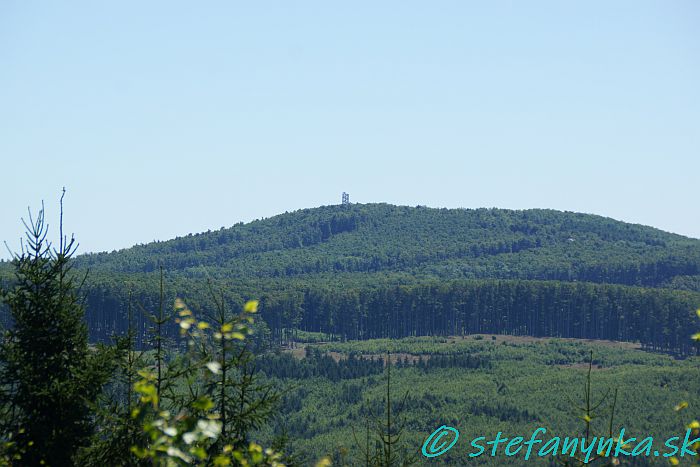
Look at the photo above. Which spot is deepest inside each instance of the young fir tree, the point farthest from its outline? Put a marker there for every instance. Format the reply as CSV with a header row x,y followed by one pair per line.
x,y
389,450
49,374
243,401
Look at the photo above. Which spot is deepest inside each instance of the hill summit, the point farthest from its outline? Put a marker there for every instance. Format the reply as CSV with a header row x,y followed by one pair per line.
x,y
426,242
376,270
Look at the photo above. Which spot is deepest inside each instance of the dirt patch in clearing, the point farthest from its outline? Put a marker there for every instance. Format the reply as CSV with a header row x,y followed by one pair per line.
x,y
498,338
298,351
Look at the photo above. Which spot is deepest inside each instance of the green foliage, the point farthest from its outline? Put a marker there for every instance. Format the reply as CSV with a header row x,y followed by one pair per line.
x,y
117,431
387,431
528,383
589,411
189,438
378,273
215,397
318,364
682,406
369,271
242,401
49,374
444,243
191,407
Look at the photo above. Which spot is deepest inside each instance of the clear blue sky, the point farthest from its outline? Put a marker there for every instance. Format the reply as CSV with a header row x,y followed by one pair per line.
x,y
164,118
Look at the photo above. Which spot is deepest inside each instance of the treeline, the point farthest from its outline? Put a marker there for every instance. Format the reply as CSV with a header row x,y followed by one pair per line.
x,y
320,364
455,360
659,319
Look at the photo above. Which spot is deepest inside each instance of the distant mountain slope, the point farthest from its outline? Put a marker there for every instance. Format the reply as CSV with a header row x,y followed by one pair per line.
x,y
439,243
377,270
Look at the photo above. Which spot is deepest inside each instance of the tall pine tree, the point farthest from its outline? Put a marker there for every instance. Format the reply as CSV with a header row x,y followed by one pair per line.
x,y
49,374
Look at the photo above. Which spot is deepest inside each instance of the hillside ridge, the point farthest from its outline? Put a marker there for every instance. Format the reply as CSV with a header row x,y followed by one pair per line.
x,y
540,244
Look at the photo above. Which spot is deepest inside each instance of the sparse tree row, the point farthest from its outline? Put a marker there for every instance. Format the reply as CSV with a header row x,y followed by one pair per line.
x,y
316,363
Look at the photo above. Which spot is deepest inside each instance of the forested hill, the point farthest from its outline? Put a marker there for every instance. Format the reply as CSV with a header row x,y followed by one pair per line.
x,y
377,270
424,242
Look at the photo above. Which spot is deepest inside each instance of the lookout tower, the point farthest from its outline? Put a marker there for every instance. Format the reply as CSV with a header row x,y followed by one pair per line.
x,y
346,198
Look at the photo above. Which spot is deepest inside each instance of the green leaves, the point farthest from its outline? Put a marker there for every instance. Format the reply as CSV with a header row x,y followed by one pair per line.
x,y
201,433
252,306
203,403
49,374
146,389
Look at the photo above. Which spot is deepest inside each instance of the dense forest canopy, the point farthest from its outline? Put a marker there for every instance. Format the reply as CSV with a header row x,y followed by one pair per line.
x,y
378,270
441,243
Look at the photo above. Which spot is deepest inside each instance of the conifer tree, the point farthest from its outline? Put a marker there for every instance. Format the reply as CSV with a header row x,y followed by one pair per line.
x,y
48,372
243,401
388,449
